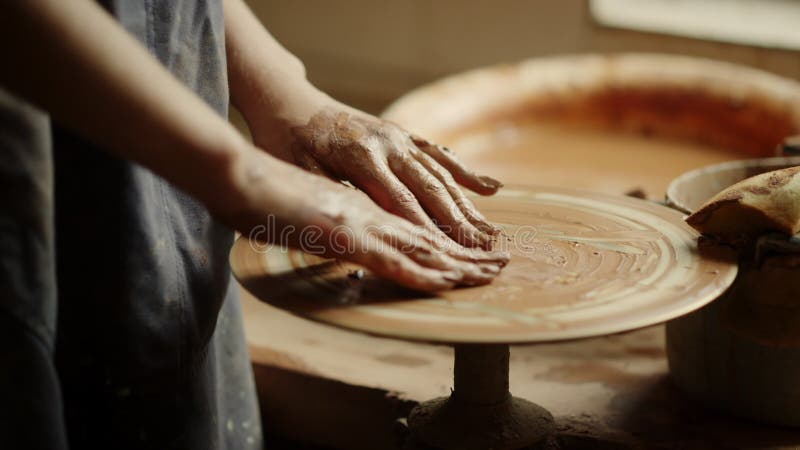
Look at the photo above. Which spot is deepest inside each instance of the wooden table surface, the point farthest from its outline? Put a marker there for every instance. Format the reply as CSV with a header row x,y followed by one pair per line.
x,y
328,386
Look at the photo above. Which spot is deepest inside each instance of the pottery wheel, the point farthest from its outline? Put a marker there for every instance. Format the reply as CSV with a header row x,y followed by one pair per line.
x,y
582,265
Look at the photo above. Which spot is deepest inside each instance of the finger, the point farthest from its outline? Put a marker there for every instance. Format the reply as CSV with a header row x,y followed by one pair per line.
x,y
467,207
481,184
433,196
401,269
383,187
386,190
421,252
470,274
441,242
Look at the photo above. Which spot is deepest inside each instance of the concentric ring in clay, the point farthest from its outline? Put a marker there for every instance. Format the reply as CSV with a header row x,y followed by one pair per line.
x,y
582,265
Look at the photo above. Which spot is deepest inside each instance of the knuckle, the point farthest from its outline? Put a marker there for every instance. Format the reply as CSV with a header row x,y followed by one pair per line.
x,y
463,204
398,159
366,148
447,177
433,186
390,263
404,197
440,171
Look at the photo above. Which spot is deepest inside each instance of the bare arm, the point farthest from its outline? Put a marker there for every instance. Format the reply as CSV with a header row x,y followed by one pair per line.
x,y
267,83
289,117
78,64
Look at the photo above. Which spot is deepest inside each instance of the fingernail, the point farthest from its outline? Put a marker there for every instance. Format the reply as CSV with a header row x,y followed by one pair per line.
x,y
447,284
497,230
505,259
490,182
491,229
451,279
481,239
476,271
502,258
474,275
420,141
490,268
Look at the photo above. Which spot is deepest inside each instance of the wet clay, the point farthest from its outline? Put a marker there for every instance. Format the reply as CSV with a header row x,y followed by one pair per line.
x,y
582,265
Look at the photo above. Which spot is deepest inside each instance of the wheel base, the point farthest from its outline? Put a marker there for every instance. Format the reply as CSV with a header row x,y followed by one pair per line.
x,y
447,423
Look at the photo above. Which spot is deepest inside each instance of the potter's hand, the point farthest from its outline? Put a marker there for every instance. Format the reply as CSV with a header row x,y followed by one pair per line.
x,y
406,175
326,218
290,118
147,116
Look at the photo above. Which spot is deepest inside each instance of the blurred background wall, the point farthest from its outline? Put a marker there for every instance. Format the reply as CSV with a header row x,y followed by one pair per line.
x,y
369,52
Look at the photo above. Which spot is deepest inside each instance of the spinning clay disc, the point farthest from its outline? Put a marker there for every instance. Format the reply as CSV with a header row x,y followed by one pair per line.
x,y
582,265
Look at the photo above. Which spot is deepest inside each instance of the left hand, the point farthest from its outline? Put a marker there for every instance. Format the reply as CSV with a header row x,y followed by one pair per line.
x,y
406,175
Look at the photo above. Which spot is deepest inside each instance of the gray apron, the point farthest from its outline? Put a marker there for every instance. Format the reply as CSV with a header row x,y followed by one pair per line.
x,y
119,324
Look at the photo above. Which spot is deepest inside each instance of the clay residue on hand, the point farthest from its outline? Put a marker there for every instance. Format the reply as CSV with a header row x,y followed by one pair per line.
x,y
384,161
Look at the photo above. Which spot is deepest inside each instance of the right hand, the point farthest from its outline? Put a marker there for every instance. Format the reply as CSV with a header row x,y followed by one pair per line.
x,y
347,225
404,174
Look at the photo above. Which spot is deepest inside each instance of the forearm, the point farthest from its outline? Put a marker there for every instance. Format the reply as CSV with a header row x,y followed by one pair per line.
x,y
268,84
83,68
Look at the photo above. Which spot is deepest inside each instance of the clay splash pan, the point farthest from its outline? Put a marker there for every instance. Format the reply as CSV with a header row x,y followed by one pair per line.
x,y
604,123
583,265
